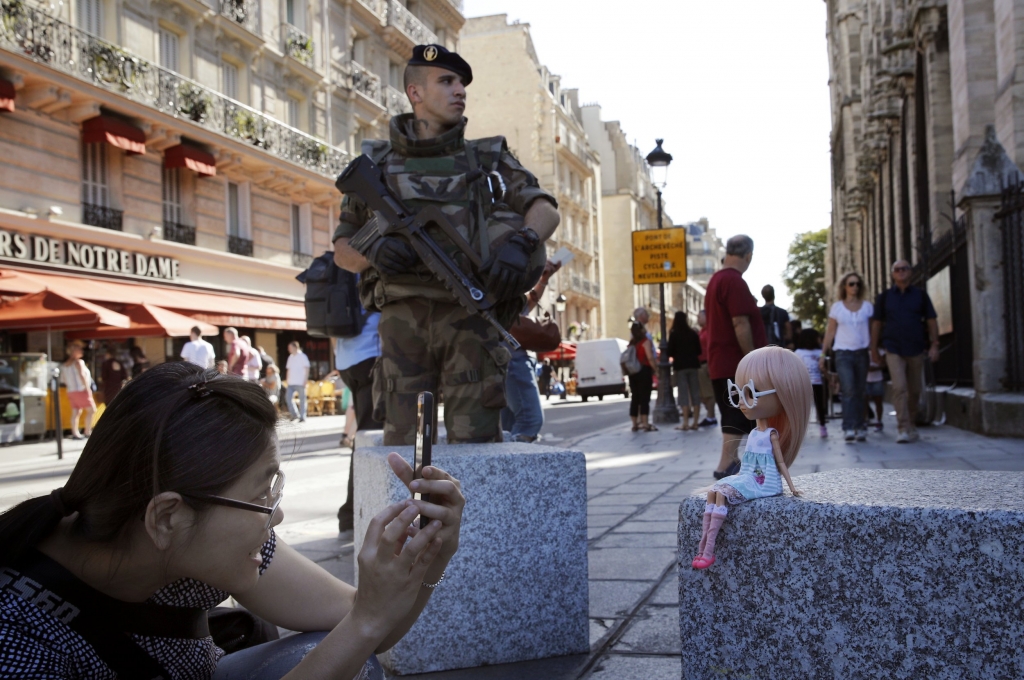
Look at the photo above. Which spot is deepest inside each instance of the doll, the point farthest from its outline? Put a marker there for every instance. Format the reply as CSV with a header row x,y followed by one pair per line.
x,y
772,387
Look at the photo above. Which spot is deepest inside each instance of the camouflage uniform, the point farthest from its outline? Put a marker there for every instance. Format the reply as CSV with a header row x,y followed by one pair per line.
x,y
428,340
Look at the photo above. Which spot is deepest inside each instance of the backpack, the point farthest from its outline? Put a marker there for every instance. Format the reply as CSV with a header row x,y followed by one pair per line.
x,y
332,300
630,364
772,329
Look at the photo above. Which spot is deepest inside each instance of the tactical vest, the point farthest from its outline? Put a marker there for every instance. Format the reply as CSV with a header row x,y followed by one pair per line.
x,y
422,180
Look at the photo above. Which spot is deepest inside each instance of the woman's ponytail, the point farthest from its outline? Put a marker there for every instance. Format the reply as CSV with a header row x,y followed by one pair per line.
x,y
26,524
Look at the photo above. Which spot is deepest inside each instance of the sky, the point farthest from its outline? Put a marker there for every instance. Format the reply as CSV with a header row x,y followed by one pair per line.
x,y
738,90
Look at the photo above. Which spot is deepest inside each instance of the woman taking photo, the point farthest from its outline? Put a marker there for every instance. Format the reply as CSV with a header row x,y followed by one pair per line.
x,y
170,509
641,383
684,349
78,380
849,336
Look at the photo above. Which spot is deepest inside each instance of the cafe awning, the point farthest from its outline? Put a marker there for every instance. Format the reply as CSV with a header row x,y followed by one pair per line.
x,y
187,156
147,321
49,309
566,352
115,132
218,309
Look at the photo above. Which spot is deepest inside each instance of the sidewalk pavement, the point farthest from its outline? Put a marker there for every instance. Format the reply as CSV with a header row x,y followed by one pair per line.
x,y
635,484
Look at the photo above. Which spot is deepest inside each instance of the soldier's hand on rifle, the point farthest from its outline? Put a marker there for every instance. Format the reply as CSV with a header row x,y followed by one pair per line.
x,y
391,255
511,265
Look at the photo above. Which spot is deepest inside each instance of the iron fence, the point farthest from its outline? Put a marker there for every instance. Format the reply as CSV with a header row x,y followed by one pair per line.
x,y
102,216
240,246
302,260
179,233
1011,217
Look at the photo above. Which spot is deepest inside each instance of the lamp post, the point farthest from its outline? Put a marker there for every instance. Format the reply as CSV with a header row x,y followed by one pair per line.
x,y
665,410
560,310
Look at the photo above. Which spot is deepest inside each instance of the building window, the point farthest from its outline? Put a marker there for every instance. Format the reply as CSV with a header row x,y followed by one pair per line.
x,y
395,75
95,190
168,50
289,10
230,72
172,195
292,114
296,230
238,219
90,16
234,210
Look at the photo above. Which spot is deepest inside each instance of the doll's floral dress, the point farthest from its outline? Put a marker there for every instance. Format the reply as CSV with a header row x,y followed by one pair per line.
x,y
758,476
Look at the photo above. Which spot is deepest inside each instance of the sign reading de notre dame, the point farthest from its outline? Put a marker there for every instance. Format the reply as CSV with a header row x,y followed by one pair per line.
x,y
45,250
659,255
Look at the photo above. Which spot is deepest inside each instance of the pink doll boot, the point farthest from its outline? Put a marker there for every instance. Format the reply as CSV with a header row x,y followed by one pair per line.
x,y
717,520
704,532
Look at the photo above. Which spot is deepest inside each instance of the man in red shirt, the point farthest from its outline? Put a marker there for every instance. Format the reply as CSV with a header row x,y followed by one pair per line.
x,y
735,328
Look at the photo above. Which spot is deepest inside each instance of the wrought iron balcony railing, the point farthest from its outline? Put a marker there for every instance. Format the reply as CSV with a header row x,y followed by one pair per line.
x,y
301,259
577,283
396,102
245,13
240,246
179,233
298,45
365,82
596,287
59,45
101,216
586,287
405,21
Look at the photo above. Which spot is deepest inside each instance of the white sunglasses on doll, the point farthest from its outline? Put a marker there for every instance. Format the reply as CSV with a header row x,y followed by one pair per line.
x,y
747,394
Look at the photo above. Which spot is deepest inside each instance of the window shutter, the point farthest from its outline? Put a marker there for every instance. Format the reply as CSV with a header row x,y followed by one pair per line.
x,y
169,50
296,230
89,16
230,80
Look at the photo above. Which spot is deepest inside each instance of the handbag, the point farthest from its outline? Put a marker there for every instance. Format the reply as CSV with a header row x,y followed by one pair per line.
x,y
630,363
535,336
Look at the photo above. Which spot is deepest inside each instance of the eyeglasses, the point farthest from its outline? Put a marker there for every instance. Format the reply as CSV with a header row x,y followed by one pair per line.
x,y
853,284
901,268
270,501
747,394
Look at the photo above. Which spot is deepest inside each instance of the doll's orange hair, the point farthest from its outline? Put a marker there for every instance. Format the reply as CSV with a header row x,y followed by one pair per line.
x,y
779,369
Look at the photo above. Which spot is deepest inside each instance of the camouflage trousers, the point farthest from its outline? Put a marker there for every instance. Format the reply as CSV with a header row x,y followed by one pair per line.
x,y
426,345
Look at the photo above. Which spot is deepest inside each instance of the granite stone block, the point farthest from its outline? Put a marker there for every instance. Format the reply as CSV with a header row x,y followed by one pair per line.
x,y
517,588
871,574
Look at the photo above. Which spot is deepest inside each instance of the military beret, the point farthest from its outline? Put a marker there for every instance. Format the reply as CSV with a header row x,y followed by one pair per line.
x,y
441,57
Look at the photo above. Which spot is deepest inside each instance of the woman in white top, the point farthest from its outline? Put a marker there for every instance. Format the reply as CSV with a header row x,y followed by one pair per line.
x,y
78,380
849,336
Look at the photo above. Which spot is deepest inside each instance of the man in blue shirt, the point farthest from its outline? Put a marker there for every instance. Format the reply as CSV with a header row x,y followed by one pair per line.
x,y
902,316
353,360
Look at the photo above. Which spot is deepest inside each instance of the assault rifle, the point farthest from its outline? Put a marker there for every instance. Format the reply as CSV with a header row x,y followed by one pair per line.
x,y
364,179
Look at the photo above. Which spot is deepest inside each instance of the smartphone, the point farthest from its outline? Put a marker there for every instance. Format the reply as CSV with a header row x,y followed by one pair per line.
x,y
562,256
424,442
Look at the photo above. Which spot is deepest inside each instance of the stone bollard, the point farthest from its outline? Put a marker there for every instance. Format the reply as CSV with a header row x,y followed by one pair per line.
x,y
871,574
517,588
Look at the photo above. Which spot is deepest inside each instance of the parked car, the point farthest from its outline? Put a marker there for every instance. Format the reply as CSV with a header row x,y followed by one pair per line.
x,y
598,369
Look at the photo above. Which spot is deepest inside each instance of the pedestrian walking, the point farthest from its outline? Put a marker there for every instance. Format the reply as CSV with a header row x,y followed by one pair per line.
x,y
170,509
776,320
112,376
808,348
545,378
735,329
427,338
271,383
253,363
298,373
684,350
875,389
904,320
140,363
78,380
237,354
354,359
707,391
848,335
641,383
198,351
523,416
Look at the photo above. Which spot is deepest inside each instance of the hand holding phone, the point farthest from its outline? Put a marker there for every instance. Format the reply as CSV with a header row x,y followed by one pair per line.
x,y
424,442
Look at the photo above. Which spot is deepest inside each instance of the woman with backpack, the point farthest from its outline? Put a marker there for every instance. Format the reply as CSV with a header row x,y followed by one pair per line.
x,y
684,348
170,509
641,383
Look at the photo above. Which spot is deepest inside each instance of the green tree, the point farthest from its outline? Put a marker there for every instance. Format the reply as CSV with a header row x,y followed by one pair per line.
x,y
805,277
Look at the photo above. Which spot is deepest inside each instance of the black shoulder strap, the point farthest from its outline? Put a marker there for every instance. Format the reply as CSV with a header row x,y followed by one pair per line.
x,y
105,623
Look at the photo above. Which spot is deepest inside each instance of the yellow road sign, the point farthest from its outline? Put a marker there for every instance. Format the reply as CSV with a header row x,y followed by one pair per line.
x,y
659,255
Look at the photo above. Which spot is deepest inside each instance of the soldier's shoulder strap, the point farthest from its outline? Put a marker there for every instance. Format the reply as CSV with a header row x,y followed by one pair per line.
x,y
376,149
488,151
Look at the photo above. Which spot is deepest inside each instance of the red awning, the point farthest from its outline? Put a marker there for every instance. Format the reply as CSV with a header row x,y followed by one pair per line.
x,y
7,95
218,309
566,352
49,309
114,132
148,321
186,156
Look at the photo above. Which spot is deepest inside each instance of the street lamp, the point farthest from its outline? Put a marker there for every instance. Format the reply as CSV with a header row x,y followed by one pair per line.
x,y
560,310
665,410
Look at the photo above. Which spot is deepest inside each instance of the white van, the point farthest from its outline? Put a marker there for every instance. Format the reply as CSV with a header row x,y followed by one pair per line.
x,y
598,370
